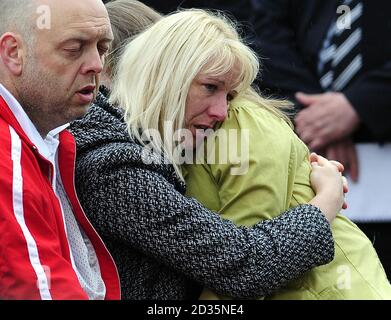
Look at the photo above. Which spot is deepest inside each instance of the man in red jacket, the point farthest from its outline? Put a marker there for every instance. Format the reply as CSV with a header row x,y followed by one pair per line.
x,y
51,55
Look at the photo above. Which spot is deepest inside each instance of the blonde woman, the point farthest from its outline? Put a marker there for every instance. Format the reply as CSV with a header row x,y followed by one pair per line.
x,y
194,66
168,246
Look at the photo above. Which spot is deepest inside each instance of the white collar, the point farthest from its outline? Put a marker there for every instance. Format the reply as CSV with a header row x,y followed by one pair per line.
x,y
28,126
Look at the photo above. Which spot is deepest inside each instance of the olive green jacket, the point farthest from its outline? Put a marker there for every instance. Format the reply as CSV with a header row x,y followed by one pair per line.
x,y
278,177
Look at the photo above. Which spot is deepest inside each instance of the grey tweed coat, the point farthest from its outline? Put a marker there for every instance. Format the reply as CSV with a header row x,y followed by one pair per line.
x,y
167,246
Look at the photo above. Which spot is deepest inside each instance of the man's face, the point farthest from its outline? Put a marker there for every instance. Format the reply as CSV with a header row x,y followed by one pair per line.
x,y
61,72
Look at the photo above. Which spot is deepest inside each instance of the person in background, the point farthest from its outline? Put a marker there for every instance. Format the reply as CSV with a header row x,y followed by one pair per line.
x,y
168,246
241,10
333,60
128,18
49,69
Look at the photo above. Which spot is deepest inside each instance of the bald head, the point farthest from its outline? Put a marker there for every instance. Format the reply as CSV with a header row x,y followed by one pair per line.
x,y
54,76
22,16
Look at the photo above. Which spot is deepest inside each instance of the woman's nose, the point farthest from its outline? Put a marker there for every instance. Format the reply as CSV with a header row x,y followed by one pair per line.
x,y
219,110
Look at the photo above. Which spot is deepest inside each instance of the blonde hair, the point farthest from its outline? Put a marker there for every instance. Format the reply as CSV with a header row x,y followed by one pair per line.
x,y
128,18
157,68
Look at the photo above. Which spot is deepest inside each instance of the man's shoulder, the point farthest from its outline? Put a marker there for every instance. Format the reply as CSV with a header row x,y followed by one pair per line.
x,y
3,123
5,139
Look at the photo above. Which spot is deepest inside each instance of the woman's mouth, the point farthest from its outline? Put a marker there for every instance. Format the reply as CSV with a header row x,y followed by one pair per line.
x,y
202,127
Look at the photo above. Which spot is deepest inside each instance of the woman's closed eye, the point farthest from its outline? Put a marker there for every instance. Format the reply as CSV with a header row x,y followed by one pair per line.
x,y
210,88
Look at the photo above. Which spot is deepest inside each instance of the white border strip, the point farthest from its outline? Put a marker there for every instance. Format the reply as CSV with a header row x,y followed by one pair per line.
x,y
42,282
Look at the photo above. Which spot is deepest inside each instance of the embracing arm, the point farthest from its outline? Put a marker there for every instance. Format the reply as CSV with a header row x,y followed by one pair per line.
x,y
151,216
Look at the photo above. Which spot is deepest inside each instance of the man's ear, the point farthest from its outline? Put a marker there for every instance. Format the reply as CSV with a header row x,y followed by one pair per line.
x,y
11,52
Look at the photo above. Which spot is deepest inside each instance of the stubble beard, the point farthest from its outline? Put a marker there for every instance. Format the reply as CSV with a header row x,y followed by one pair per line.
x,y
37,92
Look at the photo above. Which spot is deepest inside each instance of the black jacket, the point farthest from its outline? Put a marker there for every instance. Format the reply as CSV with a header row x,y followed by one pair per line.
x,y
290,34
162,241
239,9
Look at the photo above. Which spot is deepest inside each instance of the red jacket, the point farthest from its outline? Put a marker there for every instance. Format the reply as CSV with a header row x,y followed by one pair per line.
x,y
35,259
